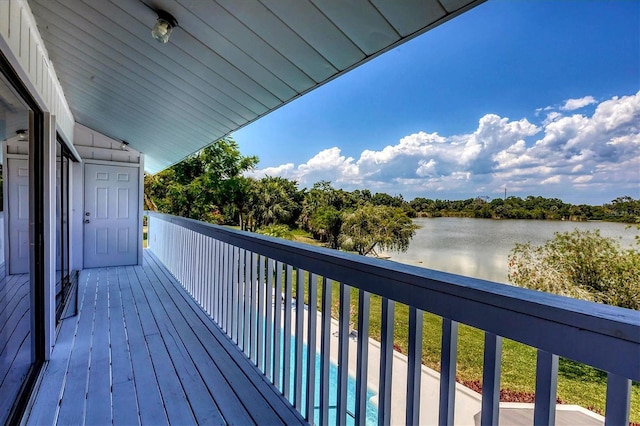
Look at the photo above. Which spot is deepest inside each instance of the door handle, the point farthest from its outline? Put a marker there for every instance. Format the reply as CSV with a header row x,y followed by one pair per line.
x,y
86,221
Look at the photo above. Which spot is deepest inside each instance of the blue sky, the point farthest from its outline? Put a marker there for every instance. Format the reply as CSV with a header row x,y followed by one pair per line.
x,y
542,97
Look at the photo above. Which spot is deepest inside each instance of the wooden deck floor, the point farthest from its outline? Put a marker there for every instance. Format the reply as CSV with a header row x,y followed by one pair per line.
x,y
15,345
141,351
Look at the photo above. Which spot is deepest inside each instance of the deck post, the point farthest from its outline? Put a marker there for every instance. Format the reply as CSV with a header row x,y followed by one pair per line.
x,y
414,368
449,355
546,387
618,400
491,379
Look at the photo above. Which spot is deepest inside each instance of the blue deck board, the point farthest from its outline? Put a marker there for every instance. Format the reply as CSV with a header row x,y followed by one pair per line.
x,y
150,404
235,365
121,370
48,397
201,367
141,351
73,402
99,385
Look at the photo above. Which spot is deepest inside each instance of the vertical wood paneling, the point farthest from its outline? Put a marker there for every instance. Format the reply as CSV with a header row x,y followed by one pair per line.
x,y
14,27
247,302
4,19
225,287
261,311
300,284
268,344
277,328
325,350
286,370
19,30
254,308
235,299
207,278
241,300
344,317
24,43
215,277
224,281
311,347
386,362
362,357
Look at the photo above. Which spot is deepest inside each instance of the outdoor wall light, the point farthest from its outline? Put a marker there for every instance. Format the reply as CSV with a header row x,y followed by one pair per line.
x,y
124,145
22,134
164,26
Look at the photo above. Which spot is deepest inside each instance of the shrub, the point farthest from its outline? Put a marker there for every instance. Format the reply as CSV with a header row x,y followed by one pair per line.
x,y
580,264
278,231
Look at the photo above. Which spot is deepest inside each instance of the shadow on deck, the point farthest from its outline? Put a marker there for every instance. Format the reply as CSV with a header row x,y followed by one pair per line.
x,y
142,351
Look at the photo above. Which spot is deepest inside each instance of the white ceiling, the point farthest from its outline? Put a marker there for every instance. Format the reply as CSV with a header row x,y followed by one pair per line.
x,y
228,63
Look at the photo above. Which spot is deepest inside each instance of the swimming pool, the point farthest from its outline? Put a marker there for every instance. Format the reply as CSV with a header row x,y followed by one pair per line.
x,y
372,409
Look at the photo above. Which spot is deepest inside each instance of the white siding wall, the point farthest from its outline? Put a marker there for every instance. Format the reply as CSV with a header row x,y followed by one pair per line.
x,y
21,43
93,145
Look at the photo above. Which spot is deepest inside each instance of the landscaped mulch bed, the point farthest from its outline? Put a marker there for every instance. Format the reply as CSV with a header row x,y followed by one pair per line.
x,y
506,395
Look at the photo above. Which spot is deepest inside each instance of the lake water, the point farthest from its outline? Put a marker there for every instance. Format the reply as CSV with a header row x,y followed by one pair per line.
x,y
480,247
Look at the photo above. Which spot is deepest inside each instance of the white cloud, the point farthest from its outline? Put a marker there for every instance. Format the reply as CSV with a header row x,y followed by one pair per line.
x,y
583,179
551,180
573,104
284,170
329,160
562,153
328,164
551,117
427,168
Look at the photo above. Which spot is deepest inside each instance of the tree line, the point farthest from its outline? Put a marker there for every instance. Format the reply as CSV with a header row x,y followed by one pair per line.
x,y
622,209
210,186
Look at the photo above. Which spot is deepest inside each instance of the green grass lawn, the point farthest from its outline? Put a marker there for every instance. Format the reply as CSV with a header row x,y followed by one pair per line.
x,y
577,383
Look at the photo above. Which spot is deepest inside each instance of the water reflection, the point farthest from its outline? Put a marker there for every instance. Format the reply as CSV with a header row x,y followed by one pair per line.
x,y
480,247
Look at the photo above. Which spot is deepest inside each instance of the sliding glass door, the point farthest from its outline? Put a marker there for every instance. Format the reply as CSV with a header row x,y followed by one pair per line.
x,y
22,348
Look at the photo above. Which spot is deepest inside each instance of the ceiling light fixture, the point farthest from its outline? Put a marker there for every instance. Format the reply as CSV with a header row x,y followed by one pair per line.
x,y
22,134
164,26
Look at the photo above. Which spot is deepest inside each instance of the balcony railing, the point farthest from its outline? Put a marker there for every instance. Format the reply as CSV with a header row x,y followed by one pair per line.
x,y
245,282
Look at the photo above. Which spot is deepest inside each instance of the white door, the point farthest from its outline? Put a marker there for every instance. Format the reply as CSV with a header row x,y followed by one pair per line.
x,y
110,215
18,215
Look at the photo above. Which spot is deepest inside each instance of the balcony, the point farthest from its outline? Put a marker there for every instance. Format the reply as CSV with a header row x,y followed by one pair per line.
x,y
200,333
142,351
